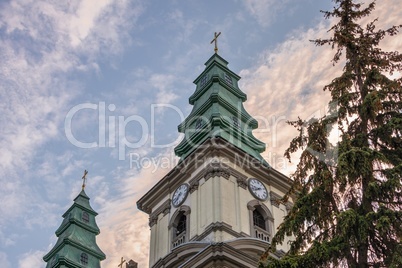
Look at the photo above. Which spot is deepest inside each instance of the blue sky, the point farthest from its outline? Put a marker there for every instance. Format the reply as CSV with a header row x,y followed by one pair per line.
x,y
102,85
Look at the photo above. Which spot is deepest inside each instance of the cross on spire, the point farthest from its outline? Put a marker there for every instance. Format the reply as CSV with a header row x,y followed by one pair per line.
x,y
216,41
84,179
121,262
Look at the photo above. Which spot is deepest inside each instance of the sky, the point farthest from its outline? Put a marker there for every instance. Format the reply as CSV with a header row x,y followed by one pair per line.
x,y
102,85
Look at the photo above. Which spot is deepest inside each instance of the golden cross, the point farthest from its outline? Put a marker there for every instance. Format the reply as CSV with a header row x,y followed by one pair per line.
x,y
84,179
216,41
121,263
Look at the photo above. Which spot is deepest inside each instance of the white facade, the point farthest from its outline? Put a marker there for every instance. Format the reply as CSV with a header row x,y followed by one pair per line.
x,y
219,205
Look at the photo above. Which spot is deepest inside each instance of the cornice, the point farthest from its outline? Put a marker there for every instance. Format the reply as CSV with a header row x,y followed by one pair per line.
x,y
201,254
68,241
218,226
215,78
214,171
164,208
183,251
71,221
194,185
276,200
217,98
74,205
226,255
213,147
187,145
219,170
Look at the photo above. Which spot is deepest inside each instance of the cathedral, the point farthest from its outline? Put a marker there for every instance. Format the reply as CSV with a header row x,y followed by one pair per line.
x,y
218,207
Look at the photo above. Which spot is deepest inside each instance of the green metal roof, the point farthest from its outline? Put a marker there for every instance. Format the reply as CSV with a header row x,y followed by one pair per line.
x,y
218,111
76,236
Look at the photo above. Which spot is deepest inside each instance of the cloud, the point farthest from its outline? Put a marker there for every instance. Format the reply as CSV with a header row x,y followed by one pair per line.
x,y
124,229
43,44
265,11
4,261
287,82
38,51
31,259
387,17
83,19
127,239
163,83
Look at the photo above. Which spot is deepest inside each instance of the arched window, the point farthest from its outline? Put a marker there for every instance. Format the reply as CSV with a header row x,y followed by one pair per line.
x,y
179,226
258,219
85,217
84,258
261,221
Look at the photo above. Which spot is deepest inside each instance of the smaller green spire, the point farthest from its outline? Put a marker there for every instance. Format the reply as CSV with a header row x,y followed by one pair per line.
x,y
76,244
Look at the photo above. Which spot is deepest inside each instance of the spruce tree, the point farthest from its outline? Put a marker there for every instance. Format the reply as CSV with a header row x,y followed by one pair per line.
x,y
347,208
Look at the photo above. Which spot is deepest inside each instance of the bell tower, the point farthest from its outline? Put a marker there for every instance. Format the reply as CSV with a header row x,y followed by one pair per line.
x,y
76,244
219,206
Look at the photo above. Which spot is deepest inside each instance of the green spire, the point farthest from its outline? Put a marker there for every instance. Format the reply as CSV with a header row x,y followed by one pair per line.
x,y
218,112
76,245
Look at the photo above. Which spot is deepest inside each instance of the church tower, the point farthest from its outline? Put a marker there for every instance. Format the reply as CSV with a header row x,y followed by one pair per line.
x,y
219,206
76,244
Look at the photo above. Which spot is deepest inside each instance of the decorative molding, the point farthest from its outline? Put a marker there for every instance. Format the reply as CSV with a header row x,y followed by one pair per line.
x,y
241,182
288,206
146,209
195,182
218,226
194,185
202,153
275,199
186,211
241,179
221,170
218,171
262,234
190,164
251,205
152,221
234,253
166,211
164,208
255,231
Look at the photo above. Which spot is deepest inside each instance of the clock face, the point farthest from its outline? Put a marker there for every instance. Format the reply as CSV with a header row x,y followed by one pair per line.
x,y
257,189
180,195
